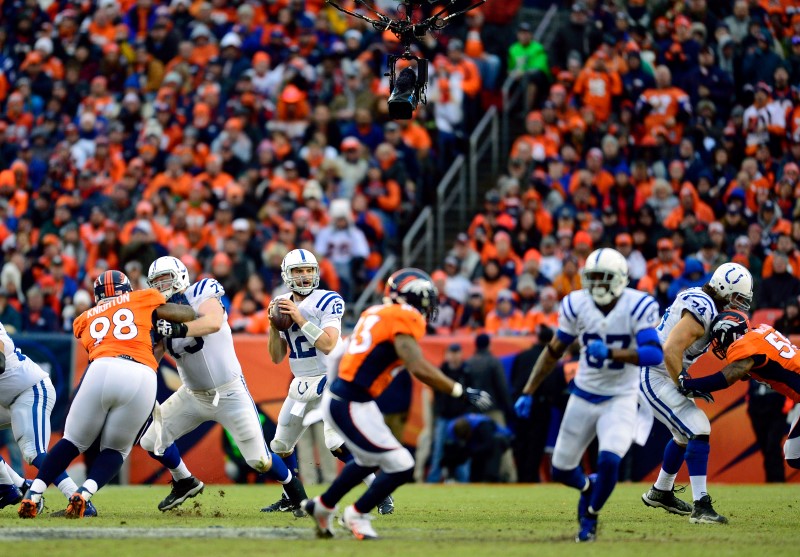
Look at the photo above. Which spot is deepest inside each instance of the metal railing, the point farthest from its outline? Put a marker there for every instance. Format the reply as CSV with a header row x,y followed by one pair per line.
x,y
371,291
482,141
452,190
515,87
419,240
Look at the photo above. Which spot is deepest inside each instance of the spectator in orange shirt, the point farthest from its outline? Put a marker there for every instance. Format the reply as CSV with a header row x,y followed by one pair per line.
x,y
505,319
173,179
601,180
666,262
665,106
785,246
542,146
545,313
492,282
460,63
597,87
569,279
144,211
689,201
215,176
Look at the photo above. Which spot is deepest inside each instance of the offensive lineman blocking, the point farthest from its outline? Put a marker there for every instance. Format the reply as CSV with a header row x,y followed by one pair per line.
x,y
615,325
213,386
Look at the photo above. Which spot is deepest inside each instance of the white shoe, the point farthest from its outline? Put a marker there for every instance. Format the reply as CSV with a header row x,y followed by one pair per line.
x,y
359,524
321,514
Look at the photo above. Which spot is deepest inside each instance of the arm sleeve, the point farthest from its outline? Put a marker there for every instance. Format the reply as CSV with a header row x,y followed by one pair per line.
x,y
331,312
649,348
205,289
646,315
567,318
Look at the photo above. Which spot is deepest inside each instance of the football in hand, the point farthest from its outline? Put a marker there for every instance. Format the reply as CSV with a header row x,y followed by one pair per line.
x,y
281,321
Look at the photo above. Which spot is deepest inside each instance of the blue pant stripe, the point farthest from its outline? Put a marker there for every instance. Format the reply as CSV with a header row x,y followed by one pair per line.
x,y
36,419
669,415
44,418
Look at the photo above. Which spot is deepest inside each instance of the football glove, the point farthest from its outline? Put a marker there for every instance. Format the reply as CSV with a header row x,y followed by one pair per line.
x,y
170,329
478,398
523,406
597,349
689,392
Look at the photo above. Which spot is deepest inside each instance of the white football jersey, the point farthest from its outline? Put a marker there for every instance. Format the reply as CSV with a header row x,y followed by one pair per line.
x,y
323,308
703,309
205,363
20,373
579,317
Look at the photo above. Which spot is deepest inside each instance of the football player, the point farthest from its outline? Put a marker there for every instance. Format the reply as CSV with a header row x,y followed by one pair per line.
x,y
213,386
384,340
27,397
763,354
117,393
316,331
616,328
684,332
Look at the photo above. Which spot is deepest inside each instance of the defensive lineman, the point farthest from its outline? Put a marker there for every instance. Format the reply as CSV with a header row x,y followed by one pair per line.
x,y
213,387
27,397
616,328
685,332
317,316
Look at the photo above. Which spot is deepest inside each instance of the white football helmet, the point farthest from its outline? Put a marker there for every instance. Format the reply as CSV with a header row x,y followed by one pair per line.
x,y
605,275
302,284
734,284
168,275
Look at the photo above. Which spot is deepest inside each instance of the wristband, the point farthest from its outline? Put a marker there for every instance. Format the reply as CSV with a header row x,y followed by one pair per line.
x,y
458,390
311,331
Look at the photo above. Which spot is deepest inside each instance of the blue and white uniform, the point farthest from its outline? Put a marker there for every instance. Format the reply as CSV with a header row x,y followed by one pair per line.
x,y
323,308
604,395
680,414
213,389
27,398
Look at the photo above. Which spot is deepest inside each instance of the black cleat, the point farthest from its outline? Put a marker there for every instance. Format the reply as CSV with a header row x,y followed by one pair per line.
x,y
666,500
181,491
704,513
282,505
386,506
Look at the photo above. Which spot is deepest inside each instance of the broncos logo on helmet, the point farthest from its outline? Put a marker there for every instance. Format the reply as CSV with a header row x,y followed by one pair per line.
x,y
415,288
725,329
109,284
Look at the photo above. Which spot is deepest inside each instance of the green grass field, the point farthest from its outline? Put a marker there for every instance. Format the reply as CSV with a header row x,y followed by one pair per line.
x,y
449,520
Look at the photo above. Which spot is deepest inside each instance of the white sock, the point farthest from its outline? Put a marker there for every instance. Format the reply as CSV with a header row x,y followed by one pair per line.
x,y
89,488
37,488
289,477
5,478
16,479
699,488
68,487
369,479
665,482
181,472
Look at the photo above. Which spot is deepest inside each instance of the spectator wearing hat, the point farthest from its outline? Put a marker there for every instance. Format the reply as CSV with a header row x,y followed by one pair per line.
x,y
445,409
689,202
345,245
542,145
708,82
527,293
449,308
473,316
694,275
505,319
637,265
457,286
528,57
352,166
469,259
793,59
781,285
578,34
598,86
760,61
215,176
764,120
666,262
784,245
637,79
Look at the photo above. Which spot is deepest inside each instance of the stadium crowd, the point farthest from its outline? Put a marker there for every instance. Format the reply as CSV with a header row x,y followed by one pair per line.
x,y
227,133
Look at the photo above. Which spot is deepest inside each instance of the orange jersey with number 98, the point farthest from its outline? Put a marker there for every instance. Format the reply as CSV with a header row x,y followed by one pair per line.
x,y
121,326
371,361
777,360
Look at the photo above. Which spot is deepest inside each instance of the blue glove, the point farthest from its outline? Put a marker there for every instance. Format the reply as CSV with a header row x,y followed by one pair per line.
x,y
523,406
597,349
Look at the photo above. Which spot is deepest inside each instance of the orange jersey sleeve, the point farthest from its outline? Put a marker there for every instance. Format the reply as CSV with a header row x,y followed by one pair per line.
x,y
777,360
121,326
371,361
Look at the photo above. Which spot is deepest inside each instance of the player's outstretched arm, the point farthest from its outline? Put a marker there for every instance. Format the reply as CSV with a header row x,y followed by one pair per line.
x,y
212,316
178,313
682,336
410,353
545,364
275,343
730,374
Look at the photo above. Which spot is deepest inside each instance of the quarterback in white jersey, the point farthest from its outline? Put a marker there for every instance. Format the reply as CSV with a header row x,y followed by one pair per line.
x,y
616,328
213,387
27,397
685,333
316,332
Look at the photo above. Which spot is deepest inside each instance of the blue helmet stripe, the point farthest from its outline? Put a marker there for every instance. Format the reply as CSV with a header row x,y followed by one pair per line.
x,y
302,255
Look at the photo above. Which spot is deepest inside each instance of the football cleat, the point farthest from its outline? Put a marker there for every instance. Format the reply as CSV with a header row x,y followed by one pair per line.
x,y
586,497
704,513
181,491
89,512
386,506
359,524
29,508
666,500
282,505
322,515
9,495
588,531
76,507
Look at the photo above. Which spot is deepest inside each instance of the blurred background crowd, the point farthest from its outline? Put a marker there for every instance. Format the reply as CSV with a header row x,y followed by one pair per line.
x,y
227,133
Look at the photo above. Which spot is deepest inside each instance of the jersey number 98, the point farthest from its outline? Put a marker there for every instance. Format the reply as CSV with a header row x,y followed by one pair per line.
x,y
124,326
